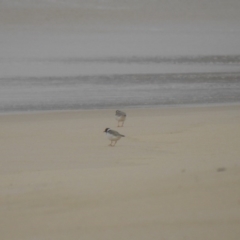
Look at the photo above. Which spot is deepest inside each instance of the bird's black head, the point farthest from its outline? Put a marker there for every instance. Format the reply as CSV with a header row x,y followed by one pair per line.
x,y
106,130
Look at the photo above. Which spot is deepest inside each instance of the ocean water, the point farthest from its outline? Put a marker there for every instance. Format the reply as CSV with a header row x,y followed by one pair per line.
x,y
119,82
41,93
112,56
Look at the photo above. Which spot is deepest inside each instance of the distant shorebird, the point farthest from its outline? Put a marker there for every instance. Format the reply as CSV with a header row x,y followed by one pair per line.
x,y
120,117
113,136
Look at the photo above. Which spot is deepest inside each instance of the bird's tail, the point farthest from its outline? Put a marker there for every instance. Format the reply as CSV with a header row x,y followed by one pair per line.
x,y
122,135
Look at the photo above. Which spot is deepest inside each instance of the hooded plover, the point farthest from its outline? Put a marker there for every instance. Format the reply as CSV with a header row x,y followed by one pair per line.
x,y
113,136
120,117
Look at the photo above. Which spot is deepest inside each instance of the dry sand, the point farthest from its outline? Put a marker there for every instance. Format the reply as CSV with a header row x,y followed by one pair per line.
x,y
176,175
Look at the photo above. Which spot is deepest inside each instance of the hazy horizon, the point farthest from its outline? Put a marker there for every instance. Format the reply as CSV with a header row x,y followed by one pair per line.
x,y
119,12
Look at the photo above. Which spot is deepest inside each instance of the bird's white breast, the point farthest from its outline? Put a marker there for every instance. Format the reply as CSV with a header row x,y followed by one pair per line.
x,y
112,137
120,118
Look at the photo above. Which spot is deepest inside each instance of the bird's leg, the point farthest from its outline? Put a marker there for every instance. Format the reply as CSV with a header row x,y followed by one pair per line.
x,y
122,123
114,143
118,124
110,144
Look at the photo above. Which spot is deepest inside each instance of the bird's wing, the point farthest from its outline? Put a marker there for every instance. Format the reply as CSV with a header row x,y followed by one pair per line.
x,y
120,113
115,133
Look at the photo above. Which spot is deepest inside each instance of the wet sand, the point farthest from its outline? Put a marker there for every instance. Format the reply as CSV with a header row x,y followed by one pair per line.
x,y
174,176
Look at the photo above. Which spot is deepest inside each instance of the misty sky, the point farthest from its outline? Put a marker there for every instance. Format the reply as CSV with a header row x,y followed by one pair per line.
x,y
118,11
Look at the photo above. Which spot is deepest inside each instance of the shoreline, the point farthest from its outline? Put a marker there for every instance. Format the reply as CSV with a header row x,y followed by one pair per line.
x,y
172,106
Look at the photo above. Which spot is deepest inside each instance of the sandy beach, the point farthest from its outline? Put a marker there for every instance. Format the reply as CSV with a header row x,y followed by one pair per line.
x,y
176,175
